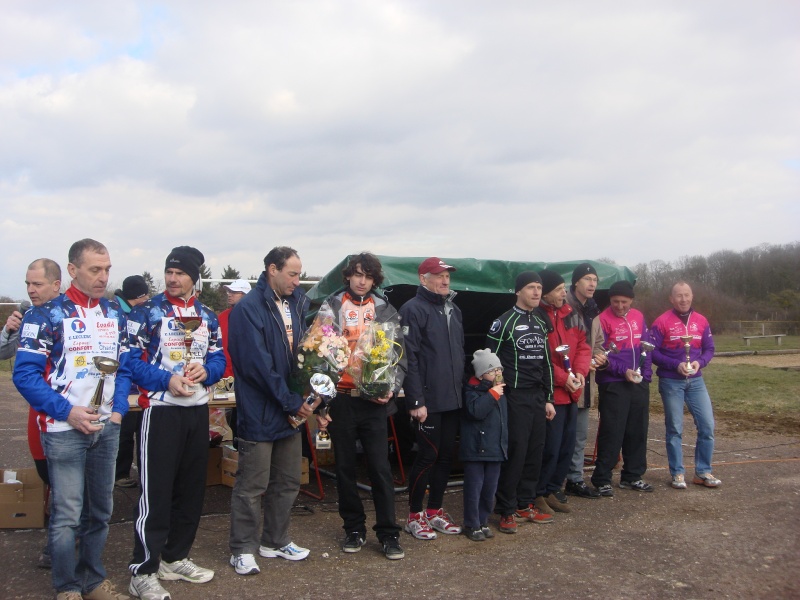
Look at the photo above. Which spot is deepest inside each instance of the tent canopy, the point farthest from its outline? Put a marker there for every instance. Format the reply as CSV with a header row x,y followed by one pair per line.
x,y
485,287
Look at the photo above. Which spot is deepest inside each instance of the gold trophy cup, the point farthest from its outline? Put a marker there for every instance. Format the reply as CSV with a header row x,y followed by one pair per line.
x,y
188,325
106,366
687,345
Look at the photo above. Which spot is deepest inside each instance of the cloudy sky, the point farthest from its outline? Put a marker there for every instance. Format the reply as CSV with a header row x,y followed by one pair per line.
x,y
524,130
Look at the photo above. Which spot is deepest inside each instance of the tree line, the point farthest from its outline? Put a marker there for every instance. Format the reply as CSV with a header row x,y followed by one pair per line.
x,y
760,283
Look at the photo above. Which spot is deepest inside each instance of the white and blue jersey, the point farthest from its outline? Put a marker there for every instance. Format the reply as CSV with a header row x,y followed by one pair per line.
x,y
158,349
58,341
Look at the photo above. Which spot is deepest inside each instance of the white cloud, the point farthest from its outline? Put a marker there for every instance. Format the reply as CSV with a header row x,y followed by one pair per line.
x,y
520,130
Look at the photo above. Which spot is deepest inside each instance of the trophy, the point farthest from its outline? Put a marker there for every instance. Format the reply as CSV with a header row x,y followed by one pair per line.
x,y
563,350
322,390
106,366
188,325
612,349
687,345
646,347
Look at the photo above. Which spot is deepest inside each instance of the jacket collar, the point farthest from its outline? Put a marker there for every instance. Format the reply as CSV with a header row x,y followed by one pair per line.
x,y
79,298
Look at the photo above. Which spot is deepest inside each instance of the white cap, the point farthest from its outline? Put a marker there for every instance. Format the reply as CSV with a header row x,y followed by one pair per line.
x,y
240,285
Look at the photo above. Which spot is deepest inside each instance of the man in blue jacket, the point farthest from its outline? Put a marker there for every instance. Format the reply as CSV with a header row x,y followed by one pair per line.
x,y
265,330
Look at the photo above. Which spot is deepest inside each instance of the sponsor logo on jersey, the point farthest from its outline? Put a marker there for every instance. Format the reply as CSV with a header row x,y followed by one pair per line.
x,y
530,341
494,328
80,361
521,328
172,325
133,327
29,330
175,354
78,326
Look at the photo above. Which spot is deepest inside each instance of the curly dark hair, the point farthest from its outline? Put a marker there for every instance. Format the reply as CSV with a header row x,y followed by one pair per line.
x,y
369,264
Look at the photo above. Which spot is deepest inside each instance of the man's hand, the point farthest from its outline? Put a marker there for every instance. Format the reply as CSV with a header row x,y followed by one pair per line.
x,y
549,411
684,373
322,422
580,378
81,417
179,386
573,383
420,414
306,409
632,376
14,322
196,372
116,418
382,400
598,360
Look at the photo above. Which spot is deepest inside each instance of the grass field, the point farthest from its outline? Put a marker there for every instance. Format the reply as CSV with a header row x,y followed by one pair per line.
x,y
729,342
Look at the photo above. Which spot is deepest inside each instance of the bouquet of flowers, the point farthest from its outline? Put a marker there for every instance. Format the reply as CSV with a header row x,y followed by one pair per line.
x,y
374,364
322,350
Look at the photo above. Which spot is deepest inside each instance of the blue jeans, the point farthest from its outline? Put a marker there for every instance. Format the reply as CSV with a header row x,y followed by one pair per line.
x,y
674,392
81,469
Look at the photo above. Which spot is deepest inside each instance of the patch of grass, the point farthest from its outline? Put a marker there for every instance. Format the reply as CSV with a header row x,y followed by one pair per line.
x,y
731,342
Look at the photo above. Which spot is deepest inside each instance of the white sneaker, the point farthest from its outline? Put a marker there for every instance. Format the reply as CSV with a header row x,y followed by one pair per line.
x,y
245,564
418,526
185,570
290,552
679,482
147,587
443,522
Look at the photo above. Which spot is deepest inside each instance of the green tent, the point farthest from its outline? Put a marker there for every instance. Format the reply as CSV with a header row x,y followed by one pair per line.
x,y
485,287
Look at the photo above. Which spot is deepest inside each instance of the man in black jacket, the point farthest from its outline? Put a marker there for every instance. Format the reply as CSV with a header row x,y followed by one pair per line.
x,y
519,338
434,339
356,417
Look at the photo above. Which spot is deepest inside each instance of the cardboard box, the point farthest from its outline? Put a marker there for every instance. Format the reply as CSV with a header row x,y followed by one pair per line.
x,y
230,464
214,471
304,471
22,504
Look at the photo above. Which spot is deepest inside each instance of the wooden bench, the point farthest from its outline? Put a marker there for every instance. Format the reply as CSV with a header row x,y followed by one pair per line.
x,y
777,336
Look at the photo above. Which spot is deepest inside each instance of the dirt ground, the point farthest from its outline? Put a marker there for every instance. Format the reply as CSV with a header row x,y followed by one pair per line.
x,y
739,541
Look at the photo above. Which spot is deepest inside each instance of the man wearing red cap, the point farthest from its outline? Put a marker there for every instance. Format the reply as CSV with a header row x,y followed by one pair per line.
x,y
434,340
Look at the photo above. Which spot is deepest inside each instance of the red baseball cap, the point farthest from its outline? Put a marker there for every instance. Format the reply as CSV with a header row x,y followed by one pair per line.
x,y
434,265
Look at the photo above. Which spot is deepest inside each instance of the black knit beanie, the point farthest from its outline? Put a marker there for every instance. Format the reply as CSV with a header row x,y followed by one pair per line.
x,y
550,280
187,259
621,288
581,271
525,278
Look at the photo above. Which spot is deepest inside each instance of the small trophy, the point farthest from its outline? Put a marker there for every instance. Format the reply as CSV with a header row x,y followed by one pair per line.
x,y
188,325
322,390
646,347
106,366
687,345
612,349
563,350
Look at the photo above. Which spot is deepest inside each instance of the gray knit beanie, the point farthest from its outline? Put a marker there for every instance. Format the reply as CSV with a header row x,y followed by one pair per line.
x,y
484,361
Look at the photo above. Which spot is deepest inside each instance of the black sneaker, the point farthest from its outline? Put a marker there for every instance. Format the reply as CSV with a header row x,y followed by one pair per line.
x,y
560,496
487,532
605,490
580,489
638,485
392,549
476,534
353,542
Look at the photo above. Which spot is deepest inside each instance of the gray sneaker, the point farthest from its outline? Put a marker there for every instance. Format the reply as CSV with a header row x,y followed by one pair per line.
x,y
638,485
184,570
392,549
147,587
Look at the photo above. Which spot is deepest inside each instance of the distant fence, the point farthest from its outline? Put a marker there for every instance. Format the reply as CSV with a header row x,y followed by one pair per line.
x,y
757,327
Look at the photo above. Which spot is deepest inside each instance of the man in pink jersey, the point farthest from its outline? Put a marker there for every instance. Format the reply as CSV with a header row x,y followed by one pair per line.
x,y
681,382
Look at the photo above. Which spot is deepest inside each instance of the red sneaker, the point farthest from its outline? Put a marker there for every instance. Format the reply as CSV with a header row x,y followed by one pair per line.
x,y
532,514
508,524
